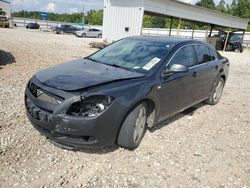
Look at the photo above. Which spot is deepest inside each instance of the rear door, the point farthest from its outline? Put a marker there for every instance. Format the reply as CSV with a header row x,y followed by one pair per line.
x,y
96,32
71,29
174,94
90,33
205,71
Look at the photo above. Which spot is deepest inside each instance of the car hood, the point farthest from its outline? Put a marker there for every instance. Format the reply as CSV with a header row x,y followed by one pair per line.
x,y
81,74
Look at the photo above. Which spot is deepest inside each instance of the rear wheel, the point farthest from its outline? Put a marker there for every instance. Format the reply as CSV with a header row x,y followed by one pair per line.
x,y
241,49
84,35
133,128
100,36
217,92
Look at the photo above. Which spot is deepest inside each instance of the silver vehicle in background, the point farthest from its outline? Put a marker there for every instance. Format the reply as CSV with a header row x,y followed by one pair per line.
x,y
89,32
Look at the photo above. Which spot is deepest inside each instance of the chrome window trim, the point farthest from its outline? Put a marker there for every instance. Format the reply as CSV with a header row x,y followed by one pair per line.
x,y
216,57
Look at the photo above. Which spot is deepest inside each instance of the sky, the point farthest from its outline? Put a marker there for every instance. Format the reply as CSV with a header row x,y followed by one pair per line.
x,y
67,6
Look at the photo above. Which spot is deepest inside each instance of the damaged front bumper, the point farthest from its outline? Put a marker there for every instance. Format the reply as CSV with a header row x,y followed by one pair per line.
x,y
70,131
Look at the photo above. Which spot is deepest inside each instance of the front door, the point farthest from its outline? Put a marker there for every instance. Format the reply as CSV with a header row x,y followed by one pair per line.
x,y
174,94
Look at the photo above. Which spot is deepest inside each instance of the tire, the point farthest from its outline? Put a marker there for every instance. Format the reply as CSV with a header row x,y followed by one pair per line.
x,y
217,91
133,128
241,49
84,35
99,36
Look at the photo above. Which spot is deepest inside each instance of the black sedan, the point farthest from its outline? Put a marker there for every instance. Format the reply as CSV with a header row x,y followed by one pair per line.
x,y
70,29
32,26
114,95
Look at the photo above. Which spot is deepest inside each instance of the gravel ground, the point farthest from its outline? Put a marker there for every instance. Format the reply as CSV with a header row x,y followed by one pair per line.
x,y
209,147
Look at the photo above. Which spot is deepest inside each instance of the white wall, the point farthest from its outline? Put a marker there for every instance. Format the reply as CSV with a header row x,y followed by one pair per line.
x,y
119,14
186,33
5,7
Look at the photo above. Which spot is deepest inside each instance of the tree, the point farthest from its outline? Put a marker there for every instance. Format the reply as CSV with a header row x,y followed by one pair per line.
x,y
94,17
206,4
221,6
158,22
241,8
147,21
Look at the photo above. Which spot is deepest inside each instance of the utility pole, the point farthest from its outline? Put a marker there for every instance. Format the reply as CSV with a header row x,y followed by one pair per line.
x,y
83,14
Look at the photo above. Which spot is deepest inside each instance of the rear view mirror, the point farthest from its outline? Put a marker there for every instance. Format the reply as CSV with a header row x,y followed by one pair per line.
x,y
176,68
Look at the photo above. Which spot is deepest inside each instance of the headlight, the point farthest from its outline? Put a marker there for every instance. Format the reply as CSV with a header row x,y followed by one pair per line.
x,y
91,106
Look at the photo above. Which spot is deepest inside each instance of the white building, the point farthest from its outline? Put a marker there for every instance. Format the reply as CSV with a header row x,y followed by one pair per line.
x,y
124,18
5,6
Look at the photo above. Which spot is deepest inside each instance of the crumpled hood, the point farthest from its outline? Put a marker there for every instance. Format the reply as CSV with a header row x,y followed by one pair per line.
x,y
82,73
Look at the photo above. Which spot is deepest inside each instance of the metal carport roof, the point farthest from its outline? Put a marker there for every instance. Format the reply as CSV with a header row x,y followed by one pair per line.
x,y
125,18
194,13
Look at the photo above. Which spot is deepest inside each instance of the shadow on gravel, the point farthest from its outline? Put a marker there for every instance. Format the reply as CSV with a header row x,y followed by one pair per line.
x,y
6,58
101,151
189,112
89,151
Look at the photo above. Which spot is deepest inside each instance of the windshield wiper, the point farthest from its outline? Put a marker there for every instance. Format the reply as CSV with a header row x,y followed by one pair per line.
x,y
89,58
113,65
121,67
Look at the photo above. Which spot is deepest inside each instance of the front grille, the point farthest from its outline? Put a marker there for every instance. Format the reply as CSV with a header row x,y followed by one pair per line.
x,y
38,113
44,95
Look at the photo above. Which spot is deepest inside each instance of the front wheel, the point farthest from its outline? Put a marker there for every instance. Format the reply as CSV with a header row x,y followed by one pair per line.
x,y
217,92
133,128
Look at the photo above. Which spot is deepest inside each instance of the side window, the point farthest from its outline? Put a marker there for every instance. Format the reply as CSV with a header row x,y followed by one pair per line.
x,y
203,54
184,57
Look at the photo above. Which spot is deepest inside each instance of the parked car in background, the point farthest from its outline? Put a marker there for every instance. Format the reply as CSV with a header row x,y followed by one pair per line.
x,y
235,41
32,26
89,32
114,95
54,28
70,29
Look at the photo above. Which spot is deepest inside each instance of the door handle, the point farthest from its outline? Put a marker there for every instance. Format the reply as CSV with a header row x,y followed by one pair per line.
x,y
195,74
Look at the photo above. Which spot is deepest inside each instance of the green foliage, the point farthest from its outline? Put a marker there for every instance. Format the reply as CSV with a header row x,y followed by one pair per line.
x,y
206,4
221,7
241,8
93,17
147,21
158,22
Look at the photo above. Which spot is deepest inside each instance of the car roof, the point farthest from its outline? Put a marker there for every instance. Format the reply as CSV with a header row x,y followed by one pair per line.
x,y
167,40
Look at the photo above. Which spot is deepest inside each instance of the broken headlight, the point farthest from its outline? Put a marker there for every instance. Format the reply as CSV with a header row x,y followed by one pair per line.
x,y
91,106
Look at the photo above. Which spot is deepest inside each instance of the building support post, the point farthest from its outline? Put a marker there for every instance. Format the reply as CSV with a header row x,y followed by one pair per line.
x,y
193,31
225,45
211,30
171,24
243,35
178,28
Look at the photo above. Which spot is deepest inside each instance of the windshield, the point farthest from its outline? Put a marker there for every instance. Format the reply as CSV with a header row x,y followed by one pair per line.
x,y
235,37
133,54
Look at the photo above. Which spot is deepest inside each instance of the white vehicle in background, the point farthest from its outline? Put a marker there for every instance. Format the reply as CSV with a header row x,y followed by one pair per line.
x,y
89,32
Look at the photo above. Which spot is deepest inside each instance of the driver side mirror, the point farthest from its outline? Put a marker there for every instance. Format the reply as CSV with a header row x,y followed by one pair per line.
x,y
175,68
